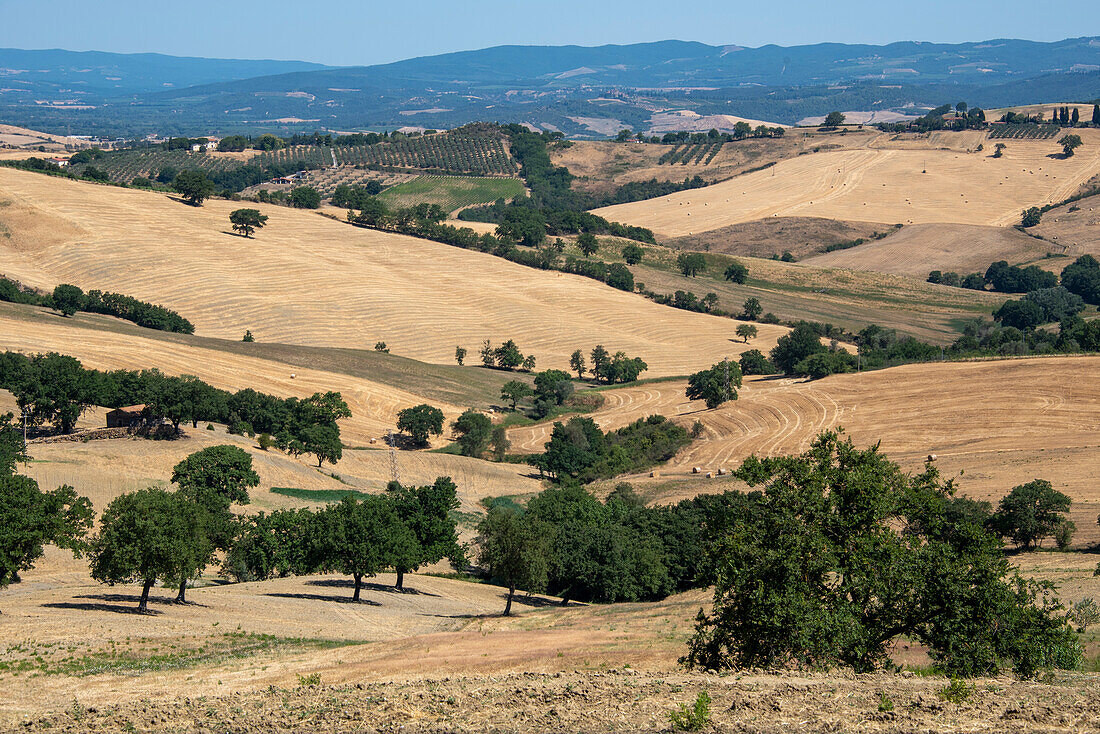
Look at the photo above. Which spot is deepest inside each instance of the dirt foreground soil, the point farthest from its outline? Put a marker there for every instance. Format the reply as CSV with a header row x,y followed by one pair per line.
x,y
618,700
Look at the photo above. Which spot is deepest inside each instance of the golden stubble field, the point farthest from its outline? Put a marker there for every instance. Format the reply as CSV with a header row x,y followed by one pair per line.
x,y
880,184
993,424
306,279
917,249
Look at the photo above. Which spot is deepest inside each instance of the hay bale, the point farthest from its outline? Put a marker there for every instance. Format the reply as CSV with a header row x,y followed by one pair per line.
x,y
932,457
723,472
710,475
696,470
654,474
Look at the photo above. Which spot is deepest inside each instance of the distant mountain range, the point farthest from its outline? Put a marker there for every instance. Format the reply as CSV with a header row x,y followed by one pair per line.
x,y
585,92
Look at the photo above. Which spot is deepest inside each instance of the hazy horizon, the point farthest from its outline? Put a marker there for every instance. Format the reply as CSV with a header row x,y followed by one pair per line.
x,y
357,34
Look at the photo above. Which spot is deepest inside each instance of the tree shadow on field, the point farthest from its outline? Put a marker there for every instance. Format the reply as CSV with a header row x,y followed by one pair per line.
x,y
367,586
324,597
182,200
539,602
117,603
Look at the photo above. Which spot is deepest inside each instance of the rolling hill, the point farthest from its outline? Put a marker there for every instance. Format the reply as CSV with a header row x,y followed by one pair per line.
x,y
888,185
309,280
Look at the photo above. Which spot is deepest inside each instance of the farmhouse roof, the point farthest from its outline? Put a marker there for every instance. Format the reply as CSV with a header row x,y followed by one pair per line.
x,y
130,409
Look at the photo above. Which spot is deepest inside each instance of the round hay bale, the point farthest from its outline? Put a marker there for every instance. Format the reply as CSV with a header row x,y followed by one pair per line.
x,y
723,472
710,475
696,470
655,474
932,457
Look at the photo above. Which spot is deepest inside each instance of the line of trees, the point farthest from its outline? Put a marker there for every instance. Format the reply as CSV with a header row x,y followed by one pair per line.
x,y
56,389
507,356
1000,277
524,227
69,299
403,529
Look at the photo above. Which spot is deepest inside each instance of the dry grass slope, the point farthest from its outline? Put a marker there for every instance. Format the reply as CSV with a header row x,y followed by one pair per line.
x,y
994,424
919,249
890,186
306,279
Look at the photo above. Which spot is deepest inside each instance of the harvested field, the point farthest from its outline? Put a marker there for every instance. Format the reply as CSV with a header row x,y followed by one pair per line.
x,y
470,386
309,280
918,249
21,136
104,469
601,166
1072,230
800,236
877,185
993,424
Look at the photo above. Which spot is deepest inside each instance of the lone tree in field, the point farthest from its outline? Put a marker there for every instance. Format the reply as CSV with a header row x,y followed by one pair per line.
x,y
515,390
460,355
247,221
515,550
213,479
193,186
146,535
421,421
691,263
1031,217
1030,513
426,512
1069,143
751,309
68,299
576,363
833,120
474,430
715,385
843,553
736,272
746,332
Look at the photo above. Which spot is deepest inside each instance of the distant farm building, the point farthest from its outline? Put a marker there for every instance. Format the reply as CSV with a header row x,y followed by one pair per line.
x,y
59,162
127,417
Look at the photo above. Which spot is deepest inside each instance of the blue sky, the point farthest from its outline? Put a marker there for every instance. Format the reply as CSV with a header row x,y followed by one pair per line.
x,y
343,32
